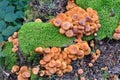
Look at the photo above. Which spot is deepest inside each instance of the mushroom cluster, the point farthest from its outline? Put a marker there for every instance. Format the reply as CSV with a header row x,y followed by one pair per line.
x,y
116,34
77,21
95,54
14,40
56,60
23,72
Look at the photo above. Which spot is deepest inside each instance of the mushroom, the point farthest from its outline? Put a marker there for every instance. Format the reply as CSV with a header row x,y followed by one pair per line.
x,y
73,49
59,73
57,22
38,20
47,58
10,39
14,50
55,49
39,50
90,64
82,78
69,33
15,69
42,62
116,36
63,65
52,63
42,73
35,70
80,71
66,25
26,74
46,50
69,68
62,31
57,63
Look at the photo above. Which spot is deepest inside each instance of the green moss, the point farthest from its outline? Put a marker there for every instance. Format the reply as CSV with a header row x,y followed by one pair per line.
x,y
32,35
104,8
34,77
9,59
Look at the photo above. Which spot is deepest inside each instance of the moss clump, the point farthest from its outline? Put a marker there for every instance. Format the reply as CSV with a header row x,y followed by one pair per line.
x,y
109,15
9,59
33,34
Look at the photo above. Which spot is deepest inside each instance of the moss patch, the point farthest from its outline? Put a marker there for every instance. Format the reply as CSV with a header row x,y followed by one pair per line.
x,y
33,34
109,15
9,59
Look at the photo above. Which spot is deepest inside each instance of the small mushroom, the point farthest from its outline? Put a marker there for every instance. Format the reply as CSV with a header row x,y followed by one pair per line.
x,y
15,69
42,73
47,58
39,50
73,49
69,68
62,31
69,33
10,39
38,20
66,25
80,71
46,50
57,22
35,70
90,64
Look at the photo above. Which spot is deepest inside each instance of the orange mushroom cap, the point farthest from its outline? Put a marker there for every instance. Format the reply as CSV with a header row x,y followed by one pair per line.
x,y
15,68
35,70
42,73
57,22
73,49
46,50
80,71
69,33
69,68
66,25
62,31
39,50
